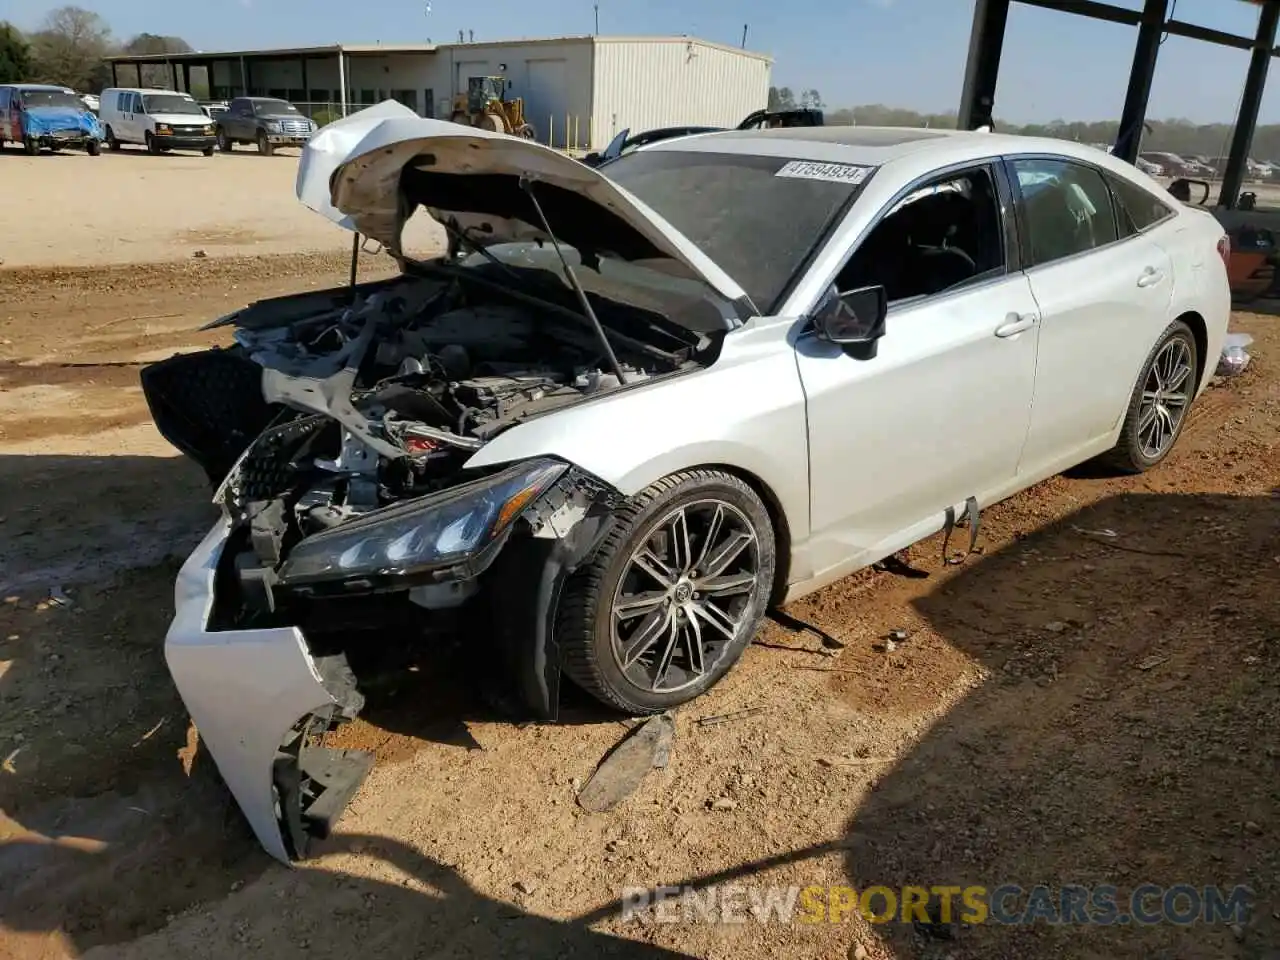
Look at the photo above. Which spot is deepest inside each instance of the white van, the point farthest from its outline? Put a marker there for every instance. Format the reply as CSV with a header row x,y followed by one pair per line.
x,y
160,120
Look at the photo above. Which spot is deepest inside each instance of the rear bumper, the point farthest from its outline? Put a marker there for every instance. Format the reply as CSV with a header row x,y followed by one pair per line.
x,y
183,142
257,697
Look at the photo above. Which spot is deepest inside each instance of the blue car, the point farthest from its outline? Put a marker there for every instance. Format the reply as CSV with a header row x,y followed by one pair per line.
x,y
36,115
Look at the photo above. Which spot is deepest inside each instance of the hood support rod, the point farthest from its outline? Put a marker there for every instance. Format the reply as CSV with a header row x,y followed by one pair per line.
x,y
527,186
355,258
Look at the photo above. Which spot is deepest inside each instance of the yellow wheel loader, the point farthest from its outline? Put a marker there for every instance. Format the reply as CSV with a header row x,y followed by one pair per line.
x,y
485,105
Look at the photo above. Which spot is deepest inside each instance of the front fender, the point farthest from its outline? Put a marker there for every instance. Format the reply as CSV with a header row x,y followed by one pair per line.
x,y
747,412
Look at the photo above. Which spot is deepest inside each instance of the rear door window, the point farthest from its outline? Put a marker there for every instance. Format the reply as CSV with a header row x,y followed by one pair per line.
x,y
1137,209
1066,208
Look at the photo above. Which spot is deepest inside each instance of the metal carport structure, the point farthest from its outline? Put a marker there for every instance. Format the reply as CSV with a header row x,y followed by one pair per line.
x,y
986,43
244,79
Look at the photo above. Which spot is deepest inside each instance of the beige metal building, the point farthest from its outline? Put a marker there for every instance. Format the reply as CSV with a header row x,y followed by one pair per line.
x,y
578,91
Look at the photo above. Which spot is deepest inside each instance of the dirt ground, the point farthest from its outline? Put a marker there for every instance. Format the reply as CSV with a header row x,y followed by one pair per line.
x,y
1092,700
133,208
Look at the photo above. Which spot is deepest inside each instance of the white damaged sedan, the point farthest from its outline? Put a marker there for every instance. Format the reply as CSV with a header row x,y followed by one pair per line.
x,y
624,416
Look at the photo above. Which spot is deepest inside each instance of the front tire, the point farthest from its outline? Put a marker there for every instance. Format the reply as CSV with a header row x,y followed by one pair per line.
x,y
264,145
31,145
1161,398
112,143
153,147
224,142
673,595
207,151
93,148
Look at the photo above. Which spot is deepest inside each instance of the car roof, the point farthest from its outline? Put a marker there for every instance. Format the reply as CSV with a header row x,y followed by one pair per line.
x,y
880,146
36,86
144,90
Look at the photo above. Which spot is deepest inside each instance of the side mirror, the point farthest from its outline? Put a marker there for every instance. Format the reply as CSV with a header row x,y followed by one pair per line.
x,y
852,318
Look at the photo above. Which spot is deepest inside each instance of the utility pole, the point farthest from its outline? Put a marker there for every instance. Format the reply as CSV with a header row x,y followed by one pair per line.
x,y
744,36
596,7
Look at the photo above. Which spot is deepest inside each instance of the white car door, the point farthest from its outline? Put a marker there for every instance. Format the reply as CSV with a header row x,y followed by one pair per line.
x,y
130,129
940,413
1103,304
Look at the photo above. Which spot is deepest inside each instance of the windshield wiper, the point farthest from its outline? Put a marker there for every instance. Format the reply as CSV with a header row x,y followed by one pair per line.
x,y
527,186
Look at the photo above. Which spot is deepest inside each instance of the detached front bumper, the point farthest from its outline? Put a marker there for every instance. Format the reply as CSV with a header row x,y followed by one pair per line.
x,y
62,138
259,699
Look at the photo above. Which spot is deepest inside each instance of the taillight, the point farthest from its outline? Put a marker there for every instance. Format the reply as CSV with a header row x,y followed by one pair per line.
x,y
1224,249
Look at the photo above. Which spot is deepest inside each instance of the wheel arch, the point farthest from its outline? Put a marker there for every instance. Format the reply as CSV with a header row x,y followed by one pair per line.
x,y
1199,330
777,516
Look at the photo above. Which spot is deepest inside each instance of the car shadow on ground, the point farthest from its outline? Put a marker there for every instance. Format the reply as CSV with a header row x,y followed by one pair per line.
x,y
113,819
1124,733
414,907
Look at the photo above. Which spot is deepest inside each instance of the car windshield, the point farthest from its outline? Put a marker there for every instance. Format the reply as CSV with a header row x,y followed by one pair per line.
x,y
758,218
171,103
268,108
51,98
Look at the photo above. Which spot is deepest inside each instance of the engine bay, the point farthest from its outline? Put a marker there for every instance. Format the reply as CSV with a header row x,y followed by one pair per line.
x,y
336,404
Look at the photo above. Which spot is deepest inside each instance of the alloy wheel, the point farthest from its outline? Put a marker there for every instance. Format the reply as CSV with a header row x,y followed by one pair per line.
x,y
685,595
1165,397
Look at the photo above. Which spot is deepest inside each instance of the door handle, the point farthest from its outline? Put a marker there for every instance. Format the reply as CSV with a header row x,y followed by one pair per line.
x,y
1016,323
1150,277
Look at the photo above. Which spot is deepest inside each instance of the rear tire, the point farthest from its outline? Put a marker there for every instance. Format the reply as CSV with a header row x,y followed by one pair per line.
x,y
1160,402
264,145
644,643
93,148
31,145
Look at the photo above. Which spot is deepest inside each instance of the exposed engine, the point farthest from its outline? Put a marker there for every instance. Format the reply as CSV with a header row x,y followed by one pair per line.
x,y
327,413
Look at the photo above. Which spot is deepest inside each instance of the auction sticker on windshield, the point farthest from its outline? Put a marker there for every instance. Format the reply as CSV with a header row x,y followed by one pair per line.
x,y
832,172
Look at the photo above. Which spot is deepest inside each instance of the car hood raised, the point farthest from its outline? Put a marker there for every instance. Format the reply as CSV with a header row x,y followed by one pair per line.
x,y
370,171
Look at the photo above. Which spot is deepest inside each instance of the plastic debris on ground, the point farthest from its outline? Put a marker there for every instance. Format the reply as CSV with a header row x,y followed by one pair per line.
x,y
1234,355
646,747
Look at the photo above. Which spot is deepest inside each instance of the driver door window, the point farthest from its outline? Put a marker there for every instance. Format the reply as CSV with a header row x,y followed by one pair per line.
x,y
943,236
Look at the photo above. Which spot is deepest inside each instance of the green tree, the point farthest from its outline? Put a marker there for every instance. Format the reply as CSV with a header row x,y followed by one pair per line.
x,y
69,47
781,98
811,100
155,75
15,54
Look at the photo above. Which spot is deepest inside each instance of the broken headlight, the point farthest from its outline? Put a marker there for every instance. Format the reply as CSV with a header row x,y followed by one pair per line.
x,y
434,531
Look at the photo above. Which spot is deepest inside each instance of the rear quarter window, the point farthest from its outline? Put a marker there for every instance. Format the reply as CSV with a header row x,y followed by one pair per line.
x,y
1137,209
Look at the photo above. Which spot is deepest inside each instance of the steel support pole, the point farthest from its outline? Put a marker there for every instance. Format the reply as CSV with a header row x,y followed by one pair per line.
x,y
1250,101
342,80
986,41
1145,52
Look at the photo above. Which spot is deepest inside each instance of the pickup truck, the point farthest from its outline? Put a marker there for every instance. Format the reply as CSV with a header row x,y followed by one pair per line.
x,y
265,121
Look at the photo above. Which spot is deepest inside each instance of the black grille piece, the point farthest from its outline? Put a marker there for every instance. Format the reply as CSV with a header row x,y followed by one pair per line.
x,y
268,470
209,405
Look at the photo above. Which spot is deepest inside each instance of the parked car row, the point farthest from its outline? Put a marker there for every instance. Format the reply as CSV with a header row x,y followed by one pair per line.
x,y
41,116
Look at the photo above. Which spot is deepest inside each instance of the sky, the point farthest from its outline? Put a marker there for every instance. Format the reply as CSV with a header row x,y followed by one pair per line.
x,y
907,53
